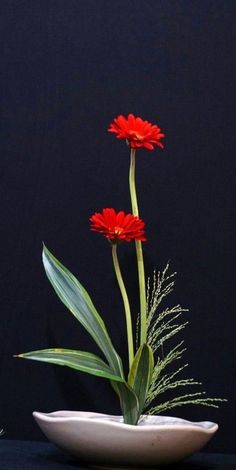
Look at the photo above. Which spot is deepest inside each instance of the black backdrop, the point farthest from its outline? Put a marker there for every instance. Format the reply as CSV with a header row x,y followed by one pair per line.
x,y
68,67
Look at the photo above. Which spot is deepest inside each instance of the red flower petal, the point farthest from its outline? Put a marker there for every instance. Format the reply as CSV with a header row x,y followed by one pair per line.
x,y
118,226
137,132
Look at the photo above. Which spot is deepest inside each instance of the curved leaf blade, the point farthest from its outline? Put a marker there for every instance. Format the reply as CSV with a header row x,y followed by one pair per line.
x,y
128,401
140,374
91,364
78,301
79,360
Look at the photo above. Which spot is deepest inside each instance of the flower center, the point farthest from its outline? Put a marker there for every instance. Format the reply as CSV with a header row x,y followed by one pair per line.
x,y
135,136
118,230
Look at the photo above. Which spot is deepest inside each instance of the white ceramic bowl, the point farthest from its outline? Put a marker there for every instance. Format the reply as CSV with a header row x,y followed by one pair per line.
x,y
103,440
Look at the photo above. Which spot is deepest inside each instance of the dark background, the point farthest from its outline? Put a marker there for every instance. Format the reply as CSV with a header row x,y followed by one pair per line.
x,y
68,67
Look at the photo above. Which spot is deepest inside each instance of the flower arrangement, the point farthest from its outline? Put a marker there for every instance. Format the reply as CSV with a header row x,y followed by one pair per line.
x,y
149,375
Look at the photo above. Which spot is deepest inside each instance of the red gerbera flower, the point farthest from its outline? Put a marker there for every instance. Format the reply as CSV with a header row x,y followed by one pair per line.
x,y
118,226
137,132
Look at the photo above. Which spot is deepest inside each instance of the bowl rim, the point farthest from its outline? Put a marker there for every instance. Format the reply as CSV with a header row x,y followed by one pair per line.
x,y
63,416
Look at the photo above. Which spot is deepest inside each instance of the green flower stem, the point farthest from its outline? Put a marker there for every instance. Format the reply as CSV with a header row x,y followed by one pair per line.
x,y
126,304
139,252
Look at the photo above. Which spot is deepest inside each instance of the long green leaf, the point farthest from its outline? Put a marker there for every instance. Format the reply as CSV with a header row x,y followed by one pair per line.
x,y
91,364
78,301
128,401
140,374
79,360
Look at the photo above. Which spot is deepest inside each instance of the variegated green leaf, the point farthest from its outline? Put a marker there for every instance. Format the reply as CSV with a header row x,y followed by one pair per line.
x,y
91,364
140,374
78,301
128,401
79,360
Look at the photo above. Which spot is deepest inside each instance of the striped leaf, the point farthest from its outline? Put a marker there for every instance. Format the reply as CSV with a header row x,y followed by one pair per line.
x,y
78,301
79,360
129,402
140,374
91,364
